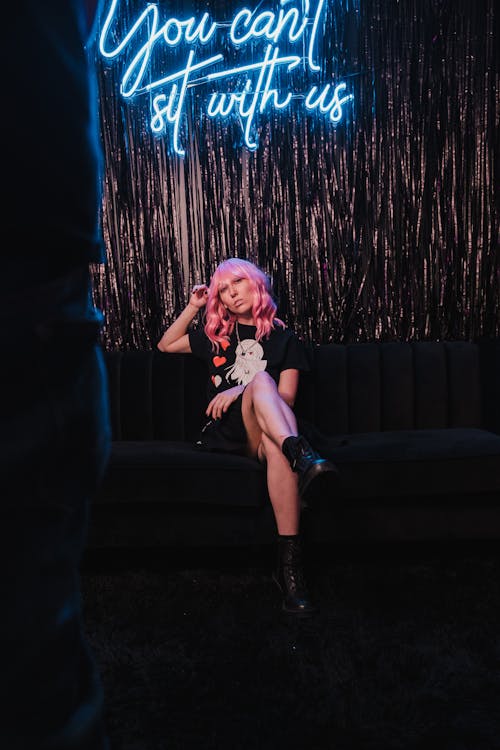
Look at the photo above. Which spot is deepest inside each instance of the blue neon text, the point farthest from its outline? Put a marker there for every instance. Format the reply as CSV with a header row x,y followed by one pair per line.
x,y
253,87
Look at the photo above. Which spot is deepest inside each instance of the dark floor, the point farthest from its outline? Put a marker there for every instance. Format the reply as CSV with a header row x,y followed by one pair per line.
x,y
195,652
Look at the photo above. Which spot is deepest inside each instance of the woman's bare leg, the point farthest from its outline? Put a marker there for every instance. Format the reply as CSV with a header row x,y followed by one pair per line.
x,y
269,421
282,485
264,411
283,492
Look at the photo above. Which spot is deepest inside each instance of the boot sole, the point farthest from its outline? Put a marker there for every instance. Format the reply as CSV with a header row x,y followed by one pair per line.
x,y
294,612
312,491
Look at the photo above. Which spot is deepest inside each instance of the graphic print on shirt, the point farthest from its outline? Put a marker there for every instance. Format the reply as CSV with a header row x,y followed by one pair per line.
x,y
248,362
218,362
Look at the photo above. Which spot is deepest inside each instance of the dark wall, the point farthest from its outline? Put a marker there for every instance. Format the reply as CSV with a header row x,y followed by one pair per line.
x,y
382,227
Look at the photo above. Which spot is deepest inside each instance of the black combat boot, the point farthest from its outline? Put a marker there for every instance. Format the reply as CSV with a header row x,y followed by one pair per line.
x,y
306,462
289,576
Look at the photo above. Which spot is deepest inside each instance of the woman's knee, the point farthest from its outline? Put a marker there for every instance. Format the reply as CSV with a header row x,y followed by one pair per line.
x,y
262,382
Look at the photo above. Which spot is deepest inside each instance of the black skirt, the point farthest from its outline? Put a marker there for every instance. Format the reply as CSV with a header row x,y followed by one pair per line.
x,y
227,434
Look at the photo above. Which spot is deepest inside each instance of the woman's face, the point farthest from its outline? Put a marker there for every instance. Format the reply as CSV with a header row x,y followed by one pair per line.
x,y
236,293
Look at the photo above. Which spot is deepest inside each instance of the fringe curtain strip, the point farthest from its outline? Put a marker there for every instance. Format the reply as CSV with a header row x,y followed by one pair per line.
x,y
382,227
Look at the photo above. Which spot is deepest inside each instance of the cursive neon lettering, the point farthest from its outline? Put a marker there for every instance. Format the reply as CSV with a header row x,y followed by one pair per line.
x,y
259,83
198,33
217,104
179,74
291,17
177,26
266,24
312,41
333,106
253,98
291,61
172,112
150,10
244,17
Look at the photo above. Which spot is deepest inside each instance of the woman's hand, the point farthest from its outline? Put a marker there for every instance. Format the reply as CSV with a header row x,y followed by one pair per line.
x,y
199,296
175,340
221,403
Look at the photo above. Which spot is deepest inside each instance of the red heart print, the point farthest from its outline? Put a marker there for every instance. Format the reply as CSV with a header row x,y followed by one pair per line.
x,y
224,343
218,361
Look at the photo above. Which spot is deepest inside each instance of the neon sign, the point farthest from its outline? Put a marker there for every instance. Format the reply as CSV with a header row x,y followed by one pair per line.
x,y
281,41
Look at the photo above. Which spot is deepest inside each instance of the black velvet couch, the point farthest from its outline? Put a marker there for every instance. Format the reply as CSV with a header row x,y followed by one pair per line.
x,y
414,429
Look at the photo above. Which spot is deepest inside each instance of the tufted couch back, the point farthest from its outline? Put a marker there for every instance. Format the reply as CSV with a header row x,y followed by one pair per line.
x,y
352,388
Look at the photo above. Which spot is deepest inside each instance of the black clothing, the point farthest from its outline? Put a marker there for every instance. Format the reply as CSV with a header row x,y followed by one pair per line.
x,y
289,576
55,439
225,435
51,158
54,420
236,363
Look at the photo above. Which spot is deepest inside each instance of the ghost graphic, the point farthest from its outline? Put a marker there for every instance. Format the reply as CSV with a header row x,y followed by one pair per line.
x,y
248,362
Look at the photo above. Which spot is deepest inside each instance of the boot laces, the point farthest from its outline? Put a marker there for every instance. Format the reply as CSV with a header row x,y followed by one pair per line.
x,y
304,450
293,570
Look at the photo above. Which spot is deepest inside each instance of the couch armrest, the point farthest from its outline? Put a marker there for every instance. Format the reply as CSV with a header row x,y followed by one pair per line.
x,y
489,362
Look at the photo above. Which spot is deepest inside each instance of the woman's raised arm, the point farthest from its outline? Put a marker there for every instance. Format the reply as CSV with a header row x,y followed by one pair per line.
x,y
175,340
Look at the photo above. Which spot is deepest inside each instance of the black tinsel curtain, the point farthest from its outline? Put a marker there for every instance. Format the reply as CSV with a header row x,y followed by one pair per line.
x,y
384,226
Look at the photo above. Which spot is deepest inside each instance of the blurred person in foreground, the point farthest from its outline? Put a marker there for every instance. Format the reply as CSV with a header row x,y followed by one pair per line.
x,y
54,412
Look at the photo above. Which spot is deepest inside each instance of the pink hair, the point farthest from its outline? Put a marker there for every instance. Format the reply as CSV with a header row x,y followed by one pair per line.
x,y
219,323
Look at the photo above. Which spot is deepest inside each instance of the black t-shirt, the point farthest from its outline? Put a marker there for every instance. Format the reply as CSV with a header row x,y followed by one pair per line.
x,y
238,360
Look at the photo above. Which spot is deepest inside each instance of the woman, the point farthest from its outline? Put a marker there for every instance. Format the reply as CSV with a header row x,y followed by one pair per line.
x,y
254,363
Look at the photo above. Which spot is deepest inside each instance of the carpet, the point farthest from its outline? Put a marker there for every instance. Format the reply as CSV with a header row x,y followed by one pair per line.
x,y
196,654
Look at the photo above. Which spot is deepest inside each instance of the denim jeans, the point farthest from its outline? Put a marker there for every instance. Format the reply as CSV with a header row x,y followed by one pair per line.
x,y
55,436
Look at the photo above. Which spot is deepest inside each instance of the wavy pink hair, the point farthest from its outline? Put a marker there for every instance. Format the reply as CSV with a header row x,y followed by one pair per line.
x,y
219,323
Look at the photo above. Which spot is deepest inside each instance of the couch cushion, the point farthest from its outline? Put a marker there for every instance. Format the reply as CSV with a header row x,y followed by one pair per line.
x,y
417,462
175,472
370,387
410,463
